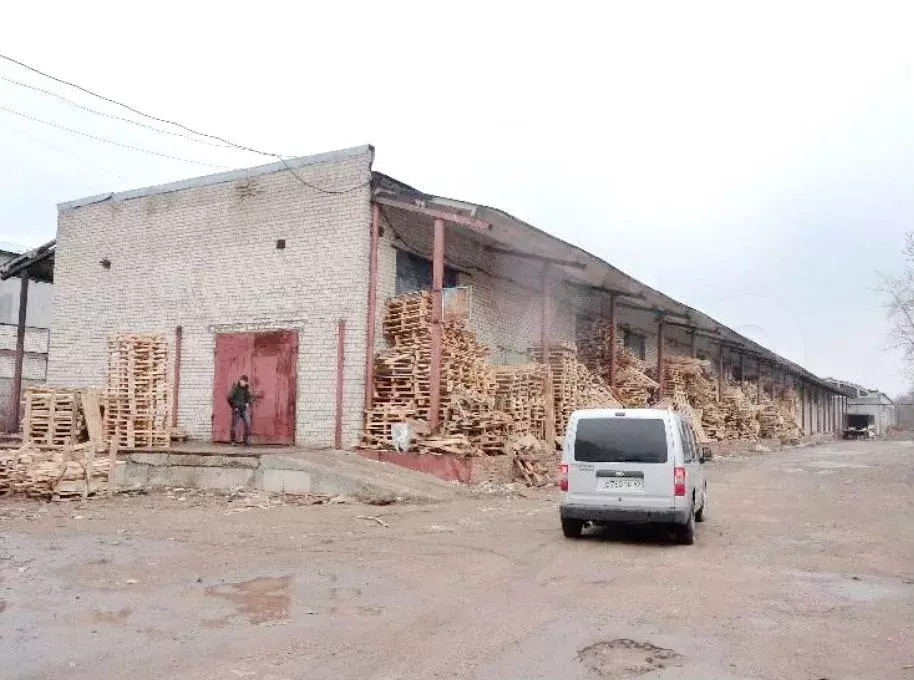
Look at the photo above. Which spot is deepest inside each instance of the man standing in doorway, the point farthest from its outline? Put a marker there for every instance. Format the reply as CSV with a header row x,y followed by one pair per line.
x,y
240,400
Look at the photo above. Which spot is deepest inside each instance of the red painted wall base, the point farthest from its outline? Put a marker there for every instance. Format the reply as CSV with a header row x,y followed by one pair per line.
x,y
463,469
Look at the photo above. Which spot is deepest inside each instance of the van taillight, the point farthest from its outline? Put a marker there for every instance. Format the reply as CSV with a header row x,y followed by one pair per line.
x,y
563,477
679,481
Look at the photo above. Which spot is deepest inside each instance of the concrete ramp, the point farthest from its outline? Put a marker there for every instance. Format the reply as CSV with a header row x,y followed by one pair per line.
x,y
286,470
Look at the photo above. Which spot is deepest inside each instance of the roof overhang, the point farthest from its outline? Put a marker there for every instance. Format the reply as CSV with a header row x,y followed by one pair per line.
x,y
38,263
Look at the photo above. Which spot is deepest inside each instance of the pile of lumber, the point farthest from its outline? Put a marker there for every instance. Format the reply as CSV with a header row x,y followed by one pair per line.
x,y
520,391
472,414
595,347
470,423
771,421
136,397
692,379
593,392
55,473
740,414
574,385
52,417
632,386
562,360
533,461
787,404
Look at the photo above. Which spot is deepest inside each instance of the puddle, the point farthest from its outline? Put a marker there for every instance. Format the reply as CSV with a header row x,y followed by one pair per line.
x,y
111,617
622,659
261,600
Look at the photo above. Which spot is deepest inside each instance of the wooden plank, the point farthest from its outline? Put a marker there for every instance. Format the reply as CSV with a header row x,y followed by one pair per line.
x,y
112,461
92,411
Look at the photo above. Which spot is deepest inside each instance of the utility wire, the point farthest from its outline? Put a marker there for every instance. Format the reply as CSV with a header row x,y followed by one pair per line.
x,y
185,127
108,141
62,150
114,117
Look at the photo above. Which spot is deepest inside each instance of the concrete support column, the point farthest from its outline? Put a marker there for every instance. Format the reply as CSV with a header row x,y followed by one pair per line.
x,y
18,360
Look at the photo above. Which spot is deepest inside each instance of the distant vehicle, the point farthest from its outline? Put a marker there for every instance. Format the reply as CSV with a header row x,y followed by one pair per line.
x,y
634,466
859,426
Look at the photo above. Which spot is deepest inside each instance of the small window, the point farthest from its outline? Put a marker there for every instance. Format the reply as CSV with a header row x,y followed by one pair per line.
x,y
635,342
620,440
415,273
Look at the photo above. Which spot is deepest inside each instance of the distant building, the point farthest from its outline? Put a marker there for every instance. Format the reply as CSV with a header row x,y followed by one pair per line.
x,y
866,401
38,323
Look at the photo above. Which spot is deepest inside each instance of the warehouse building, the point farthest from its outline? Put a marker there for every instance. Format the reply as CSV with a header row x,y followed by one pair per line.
x,y
281,272
867,401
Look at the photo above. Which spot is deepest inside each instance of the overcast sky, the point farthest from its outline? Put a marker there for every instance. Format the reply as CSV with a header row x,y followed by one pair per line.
x,y
757,164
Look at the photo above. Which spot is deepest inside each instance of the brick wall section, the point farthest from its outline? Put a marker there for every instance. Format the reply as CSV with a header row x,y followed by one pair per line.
x,y
205,258
506,302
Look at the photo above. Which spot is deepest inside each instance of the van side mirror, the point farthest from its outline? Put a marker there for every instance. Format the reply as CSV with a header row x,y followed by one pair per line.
x,y
706,454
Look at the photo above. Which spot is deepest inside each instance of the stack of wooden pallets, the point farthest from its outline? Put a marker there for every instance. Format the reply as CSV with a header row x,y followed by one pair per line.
x,y
56,473
690,380
787,405
136,398
595,347
740,414
520,393
562,360
402,385
770,420
593,392
633,387
52,417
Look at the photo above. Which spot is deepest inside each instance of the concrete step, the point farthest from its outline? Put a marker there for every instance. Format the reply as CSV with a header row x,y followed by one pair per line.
x,y
293,471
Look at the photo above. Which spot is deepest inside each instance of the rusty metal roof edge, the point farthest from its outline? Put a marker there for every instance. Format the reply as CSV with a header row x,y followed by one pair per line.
x,y
28,259
388,183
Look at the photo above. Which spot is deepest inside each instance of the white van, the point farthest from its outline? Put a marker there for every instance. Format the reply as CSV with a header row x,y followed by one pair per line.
x,y
632,465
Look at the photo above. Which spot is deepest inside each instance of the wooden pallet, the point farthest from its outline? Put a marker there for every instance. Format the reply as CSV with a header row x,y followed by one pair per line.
x,y
137,410
52,416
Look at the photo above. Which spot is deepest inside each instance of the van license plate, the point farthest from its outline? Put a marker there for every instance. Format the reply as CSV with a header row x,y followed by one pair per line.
x,y
620,484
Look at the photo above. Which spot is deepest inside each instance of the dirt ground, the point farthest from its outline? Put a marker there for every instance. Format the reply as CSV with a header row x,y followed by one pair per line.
x,y
804,569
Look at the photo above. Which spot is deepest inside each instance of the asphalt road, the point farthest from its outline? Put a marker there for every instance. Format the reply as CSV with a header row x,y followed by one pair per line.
x,y
804,569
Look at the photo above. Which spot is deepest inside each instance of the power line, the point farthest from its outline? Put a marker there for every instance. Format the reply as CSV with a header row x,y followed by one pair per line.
x,y
114,117
62,150
108,141
185,127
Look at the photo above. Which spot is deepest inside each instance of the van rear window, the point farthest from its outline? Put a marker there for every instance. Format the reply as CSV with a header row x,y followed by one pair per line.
x,y
620,440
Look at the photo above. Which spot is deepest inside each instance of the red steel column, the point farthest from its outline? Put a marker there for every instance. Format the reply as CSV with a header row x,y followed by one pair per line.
x,y
720,373
545,315
179,340
434,415
16,394
340,360
758,384
372,304
801,398
612,340
661,374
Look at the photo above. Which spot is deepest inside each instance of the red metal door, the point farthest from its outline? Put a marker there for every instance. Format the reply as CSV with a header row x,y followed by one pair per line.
x,y
270,360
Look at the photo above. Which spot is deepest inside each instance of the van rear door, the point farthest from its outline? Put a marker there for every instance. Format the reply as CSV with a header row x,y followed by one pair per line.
x,y
621,459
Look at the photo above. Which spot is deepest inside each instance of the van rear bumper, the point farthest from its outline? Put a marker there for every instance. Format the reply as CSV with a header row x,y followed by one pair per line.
x,y
599,513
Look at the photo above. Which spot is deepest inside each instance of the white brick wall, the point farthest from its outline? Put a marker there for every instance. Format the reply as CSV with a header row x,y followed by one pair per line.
x,y
506,302
205,258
